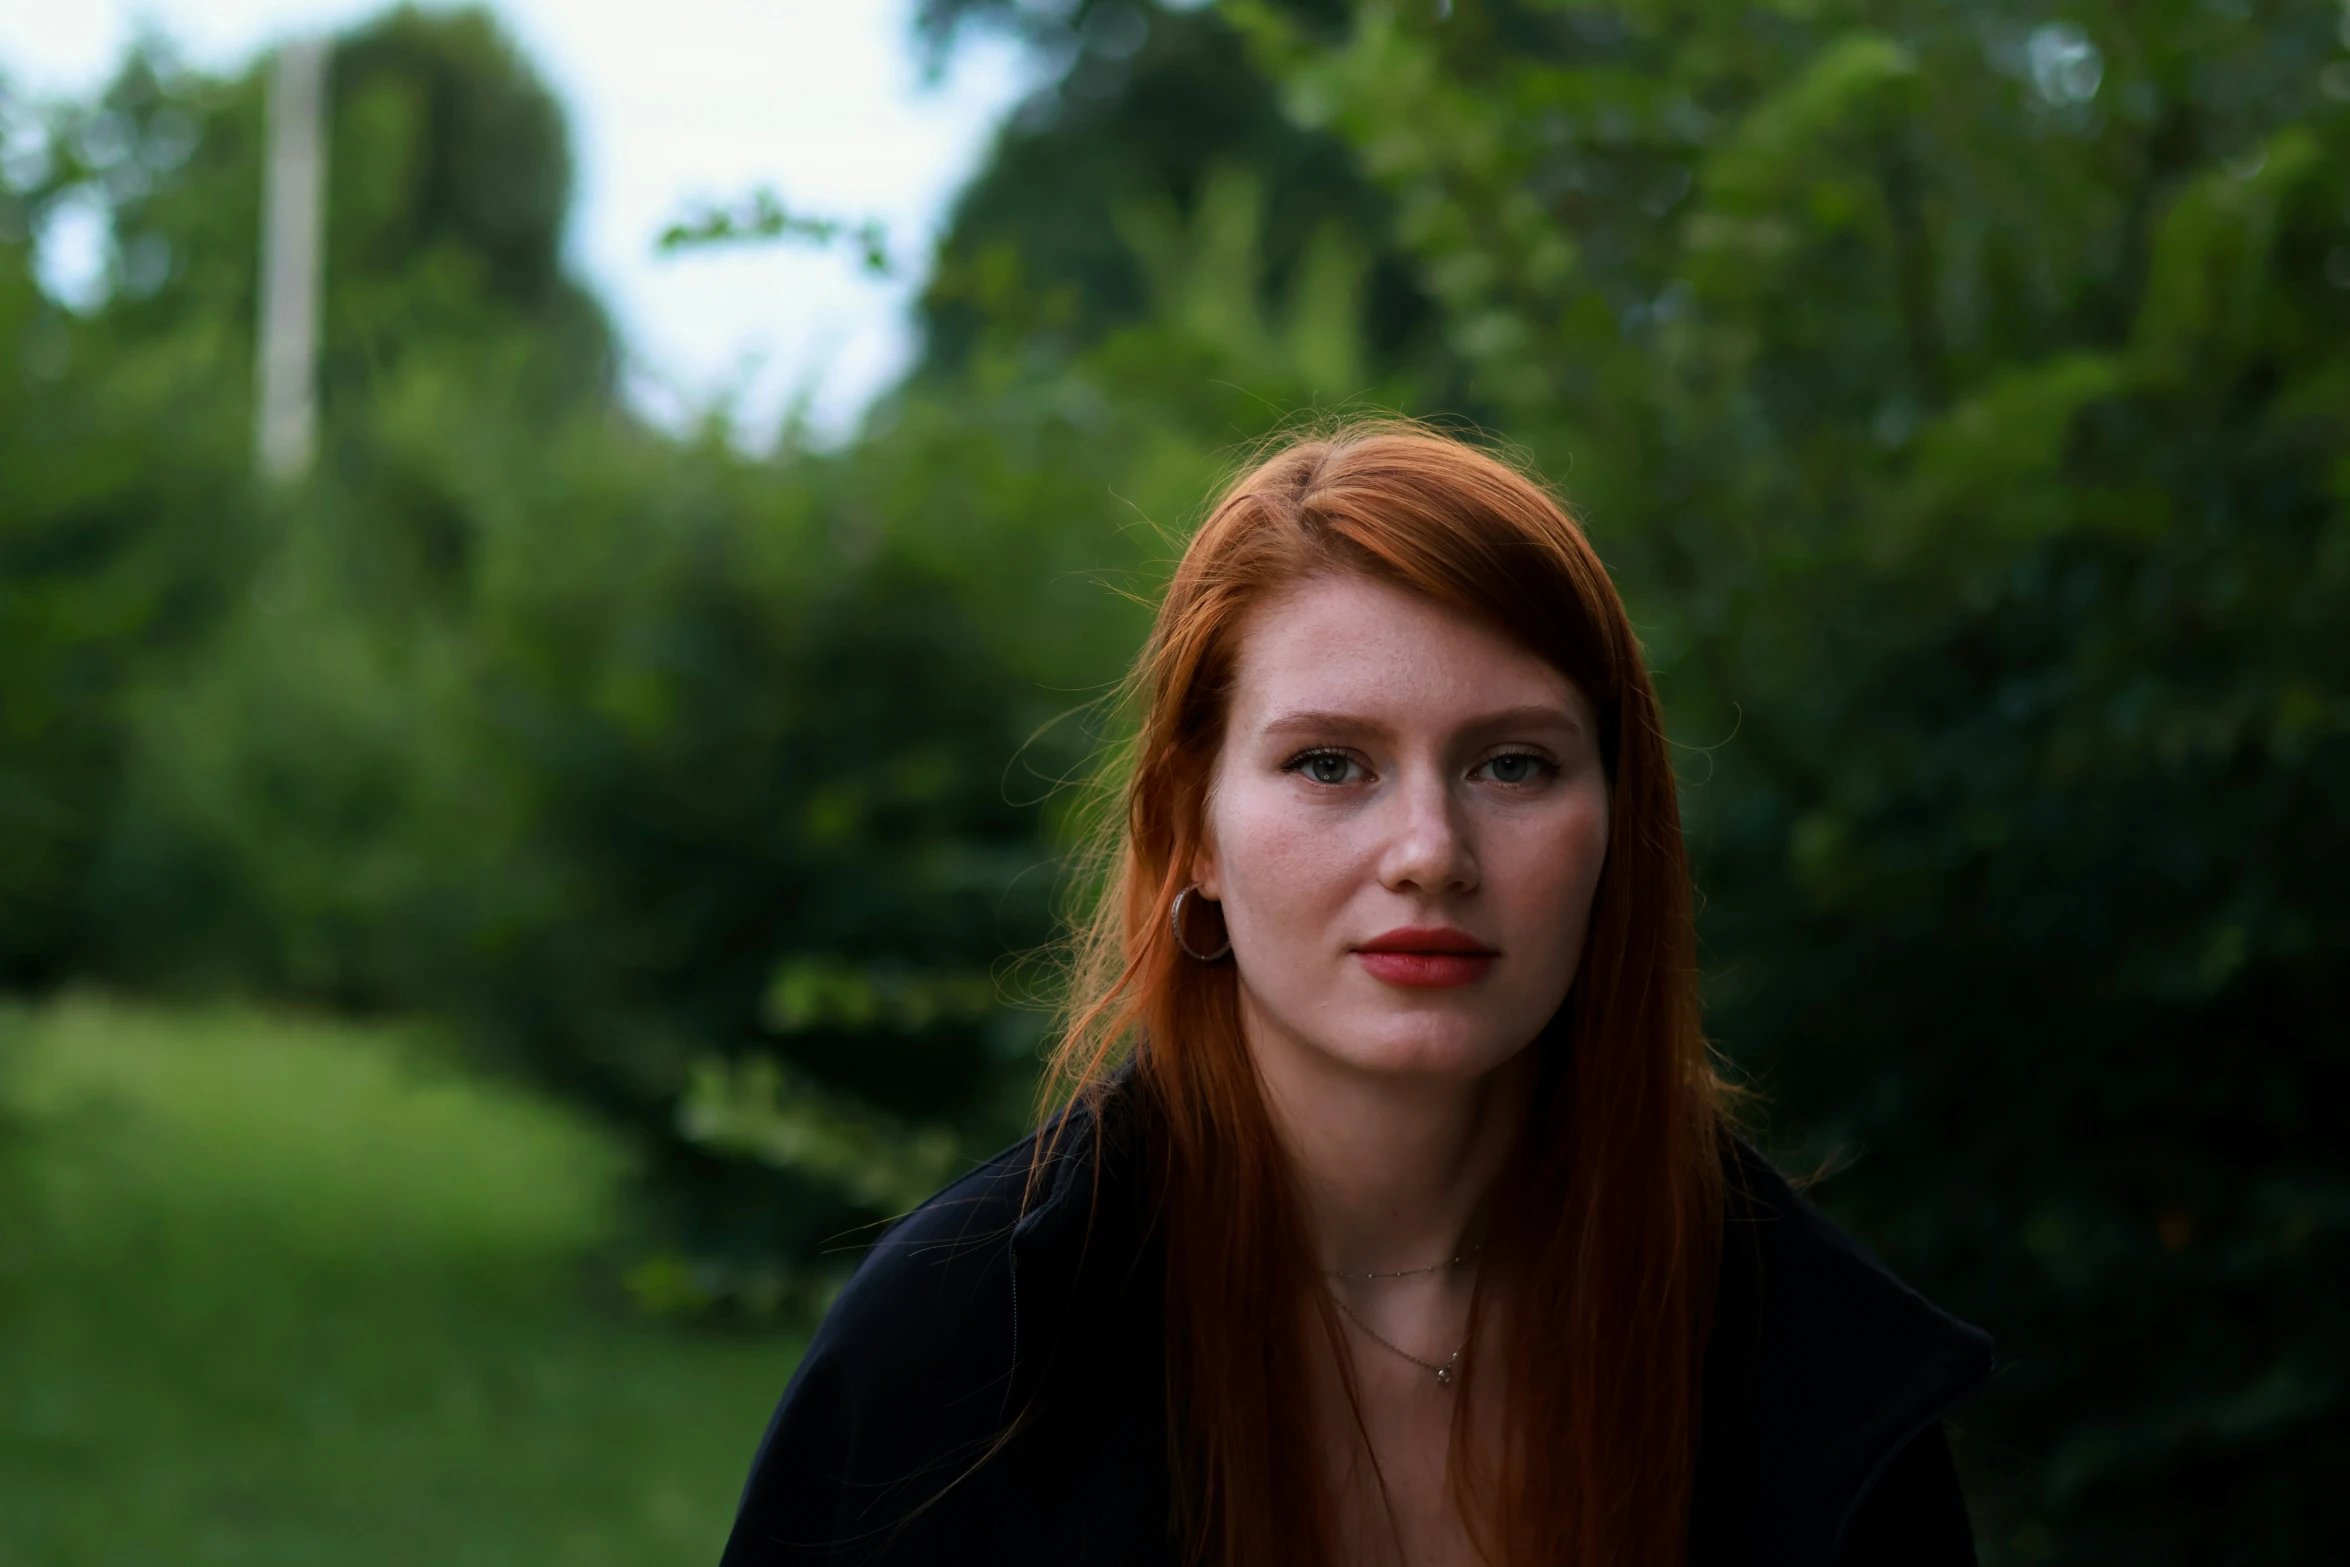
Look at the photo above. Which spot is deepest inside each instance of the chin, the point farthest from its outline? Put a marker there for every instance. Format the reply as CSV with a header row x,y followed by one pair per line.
x,y
1450,1048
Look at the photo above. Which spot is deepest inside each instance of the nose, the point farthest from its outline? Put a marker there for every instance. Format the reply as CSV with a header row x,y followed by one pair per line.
x,y
1429,848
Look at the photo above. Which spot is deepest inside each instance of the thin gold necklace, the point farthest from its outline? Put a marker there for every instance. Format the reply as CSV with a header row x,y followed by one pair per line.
x,y
1411,1273
1443,1368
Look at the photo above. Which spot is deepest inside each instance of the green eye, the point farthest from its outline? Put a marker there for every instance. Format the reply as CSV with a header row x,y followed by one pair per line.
x,y
1324,767
1516,767
1328,769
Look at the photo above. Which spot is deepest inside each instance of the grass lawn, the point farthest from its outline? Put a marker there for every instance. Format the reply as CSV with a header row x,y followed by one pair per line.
x,y
278,1292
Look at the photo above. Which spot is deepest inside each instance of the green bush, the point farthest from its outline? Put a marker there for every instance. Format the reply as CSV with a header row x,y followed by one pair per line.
x,y
126,533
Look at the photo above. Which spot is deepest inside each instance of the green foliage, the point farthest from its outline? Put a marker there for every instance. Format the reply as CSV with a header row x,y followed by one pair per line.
x,y
1960,394
729,748
126,531
763,216
283,804
1153,107
754,1110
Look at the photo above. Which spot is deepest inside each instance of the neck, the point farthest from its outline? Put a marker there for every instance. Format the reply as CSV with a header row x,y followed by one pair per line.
x,y
1393,1168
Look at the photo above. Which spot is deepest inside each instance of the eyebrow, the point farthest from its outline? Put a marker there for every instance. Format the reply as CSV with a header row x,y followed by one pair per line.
x,y
1322,721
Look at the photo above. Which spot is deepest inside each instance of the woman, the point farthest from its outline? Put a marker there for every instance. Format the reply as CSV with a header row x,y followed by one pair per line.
x,y
1392,1217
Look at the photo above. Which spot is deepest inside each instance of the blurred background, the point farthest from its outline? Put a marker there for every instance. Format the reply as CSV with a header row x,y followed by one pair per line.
x,y
506,882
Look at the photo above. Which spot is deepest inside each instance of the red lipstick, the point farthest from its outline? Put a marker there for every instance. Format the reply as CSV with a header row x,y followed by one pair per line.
x,y
1426,957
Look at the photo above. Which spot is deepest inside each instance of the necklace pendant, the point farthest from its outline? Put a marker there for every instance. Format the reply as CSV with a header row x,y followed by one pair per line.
x,y
1444,1376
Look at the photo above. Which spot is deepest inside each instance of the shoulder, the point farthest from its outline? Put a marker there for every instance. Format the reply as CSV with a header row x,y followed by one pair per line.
x,y
959,1281
891,1399
1824,1369
923,1370
914,1358
901,1389
926,1289
1792,1279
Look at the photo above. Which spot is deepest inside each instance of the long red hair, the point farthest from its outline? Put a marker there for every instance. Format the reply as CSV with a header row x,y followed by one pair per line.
x,y
1603,1236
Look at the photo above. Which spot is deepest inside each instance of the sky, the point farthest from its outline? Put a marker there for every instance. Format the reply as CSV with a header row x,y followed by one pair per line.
x,y
671,100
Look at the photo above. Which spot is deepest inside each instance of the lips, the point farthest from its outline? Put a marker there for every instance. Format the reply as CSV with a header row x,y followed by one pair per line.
x,y
1426,958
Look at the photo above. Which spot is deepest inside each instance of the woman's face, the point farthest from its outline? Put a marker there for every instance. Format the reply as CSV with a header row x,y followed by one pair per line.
x,y
1405,827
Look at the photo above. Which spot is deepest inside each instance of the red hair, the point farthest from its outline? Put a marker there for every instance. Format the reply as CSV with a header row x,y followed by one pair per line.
x,y
1601,1246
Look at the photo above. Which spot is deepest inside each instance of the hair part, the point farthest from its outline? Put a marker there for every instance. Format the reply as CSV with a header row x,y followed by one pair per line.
x,y
1605,1228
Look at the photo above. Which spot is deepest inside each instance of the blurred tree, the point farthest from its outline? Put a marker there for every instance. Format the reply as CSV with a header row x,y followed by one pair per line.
x,y
283,810
450,180
1143,105
1963,396
128,524
748,742
126,528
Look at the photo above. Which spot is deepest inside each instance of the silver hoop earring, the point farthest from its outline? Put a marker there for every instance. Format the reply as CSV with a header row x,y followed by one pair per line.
x,y
1175,925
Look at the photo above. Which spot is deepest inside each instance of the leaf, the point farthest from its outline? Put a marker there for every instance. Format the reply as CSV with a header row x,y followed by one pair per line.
x,y
2211,267
1775,153
754,1108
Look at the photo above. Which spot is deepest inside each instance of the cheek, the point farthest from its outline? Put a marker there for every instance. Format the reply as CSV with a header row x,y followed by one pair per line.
x,y
1274,860
1548,874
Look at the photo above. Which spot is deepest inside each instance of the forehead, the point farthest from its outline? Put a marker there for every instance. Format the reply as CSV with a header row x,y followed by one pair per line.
x,y
1353,644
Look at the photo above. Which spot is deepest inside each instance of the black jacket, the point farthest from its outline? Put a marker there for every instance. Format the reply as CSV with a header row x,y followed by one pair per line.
x,y
989,1388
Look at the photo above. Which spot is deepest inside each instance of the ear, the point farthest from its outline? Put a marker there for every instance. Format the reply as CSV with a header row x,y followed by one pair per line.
x,y
1206,870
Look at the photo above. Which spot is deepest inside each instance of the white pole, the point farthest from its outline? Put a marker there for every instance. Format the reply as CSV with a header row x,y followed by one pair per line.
x,y
295,201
